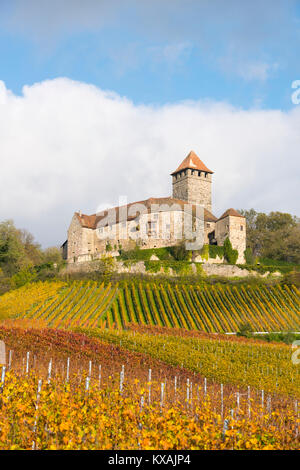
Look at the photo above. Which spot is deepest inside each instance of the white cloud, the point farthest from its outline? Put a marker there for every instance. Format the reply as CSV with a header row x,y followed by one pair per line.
x,y
171,53
248,70
66,145
256,70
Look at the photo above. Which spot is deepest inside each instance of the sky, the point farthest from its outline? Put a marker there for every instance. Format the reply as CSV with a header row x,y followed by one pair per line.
x,y
102,99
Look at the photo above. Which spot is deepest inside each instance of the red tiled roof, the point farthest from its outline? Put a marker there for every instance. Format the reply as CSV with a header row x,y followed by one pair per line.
x,y
232,213
91,221
193,162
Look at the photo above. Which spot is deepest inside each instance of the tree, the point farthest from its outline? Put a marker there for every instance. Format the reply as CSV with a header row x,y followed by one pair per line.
x,y
32,248
249,258
18,250
230,254
275,235
52,255
12,252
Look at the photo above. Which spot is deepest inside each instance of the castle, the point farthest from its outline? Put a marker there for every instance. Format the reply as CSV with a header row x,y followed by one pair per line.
x,y
158,222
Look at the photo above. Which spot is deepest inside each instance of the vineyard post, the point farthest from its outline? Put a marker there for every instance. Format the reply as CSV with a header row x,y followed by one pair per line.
x,y
149,386
175,387
36,411
87,384
122,379
10,359
205,387
162,390
225,427
3,378
90,369
68,370
27,362
269,404
249,402
140,426
238,401
49,370
222,404
142,403
262,398
99,377
187,392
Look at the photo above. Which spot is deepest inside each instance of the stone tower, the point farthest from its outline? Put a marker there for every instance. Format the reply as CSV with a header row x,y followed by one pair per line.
x,y
192,181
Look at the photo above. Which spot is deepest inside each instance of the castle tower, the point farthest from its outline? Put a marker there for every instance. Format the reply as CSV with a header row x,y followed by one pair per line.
x,y
192,181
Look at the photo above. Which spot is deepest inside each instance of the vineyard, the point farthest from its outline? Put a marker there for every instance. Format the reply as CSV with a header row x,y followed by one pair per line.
x,y
213,308
111,390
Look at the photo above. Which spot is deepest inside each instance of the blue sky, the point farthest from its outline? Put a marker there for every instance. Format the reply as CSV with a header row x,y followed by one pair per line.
x,y
101,99
245,53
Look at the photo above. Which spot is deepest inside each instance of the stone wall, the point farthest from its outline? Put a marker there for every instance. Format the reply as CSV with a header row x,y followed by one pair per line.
x,y
235,229
193,186
80,241
84,244
237,236
155,230
223,270
227,270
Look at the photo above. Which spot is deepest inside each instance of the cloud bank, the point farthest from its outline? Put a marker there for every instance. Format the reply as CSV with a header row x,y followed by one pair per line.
x,y
67,145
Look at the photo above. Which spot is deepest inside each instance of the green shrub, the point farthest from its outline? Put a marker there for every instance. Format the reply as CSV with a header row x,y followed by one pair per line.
x,y
22,277
248,255
284,337
152,266
145,255
230,254
215,250
204,253
108,247
179,252
245,330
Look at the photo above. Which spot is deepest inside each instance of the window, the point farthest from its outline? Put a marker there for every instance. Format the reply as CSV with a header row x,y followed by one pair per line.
x,y
199,173
207,225
155,216
152,225
241,228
